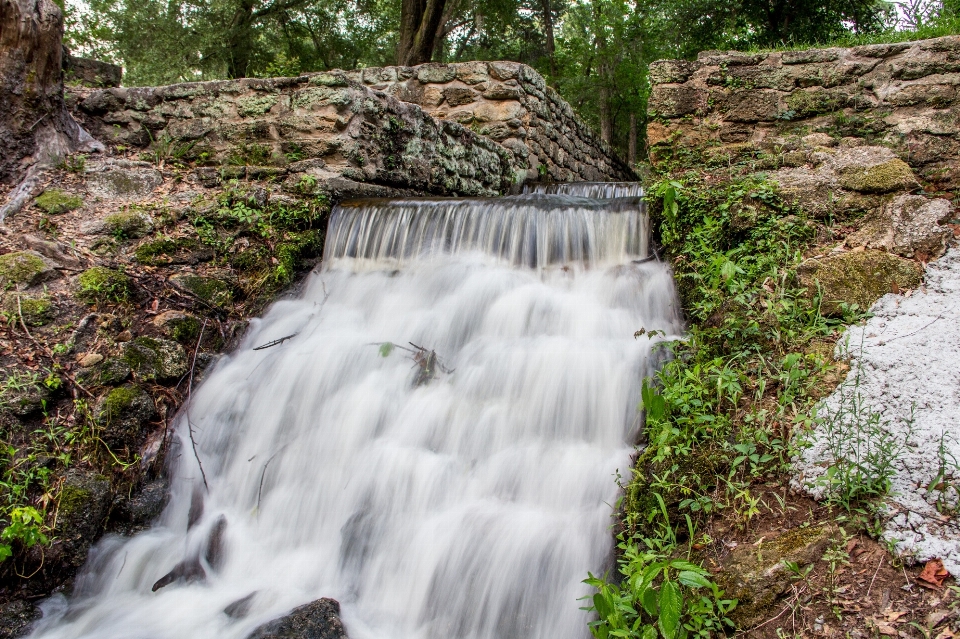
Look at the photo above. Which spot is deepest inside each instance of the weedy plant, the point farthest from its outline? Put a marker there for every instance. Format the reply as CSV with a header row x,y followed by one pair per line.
x,y
862,450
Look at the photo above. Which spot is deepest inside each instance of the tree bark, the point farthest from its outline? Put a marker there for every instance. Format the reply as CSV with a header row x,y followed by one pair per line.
x,y
632,142
36,130
420,21
548,29
606,117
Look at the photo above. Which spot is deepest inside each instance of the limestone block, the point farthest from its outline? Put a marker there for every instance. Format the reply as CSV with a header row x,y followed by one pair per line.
x,y
123,182
676,101
810,55
909,226
436,73
671,71
858,277
498,91
752,106
935,95
456,96
504,70
498,111
871,169
472,72
729,58
813,191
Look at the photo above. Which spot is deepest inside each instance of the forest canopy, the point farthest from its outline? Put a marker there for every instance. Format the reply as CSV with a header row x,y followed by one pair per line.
x,y
595,52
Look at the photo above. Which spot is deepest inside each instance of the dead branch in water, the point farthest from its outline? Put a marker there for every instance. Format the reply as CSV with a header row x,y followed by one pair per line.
x,y
426,359
193,442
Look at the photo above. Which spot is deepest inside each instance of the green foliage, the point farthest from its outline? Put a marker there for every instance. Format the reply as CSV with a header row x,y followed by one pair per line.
x,y
658,595
25,529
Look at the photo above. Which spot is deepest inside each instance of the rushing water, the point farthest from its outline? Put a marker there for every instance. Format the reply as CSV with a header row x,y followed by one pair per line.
x,y
466,499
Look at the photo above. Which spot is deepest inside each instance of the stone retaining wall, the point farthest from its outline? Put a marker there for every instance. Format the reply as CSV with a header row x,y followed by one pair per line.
x,y
461,129
902,96
307,131
510,103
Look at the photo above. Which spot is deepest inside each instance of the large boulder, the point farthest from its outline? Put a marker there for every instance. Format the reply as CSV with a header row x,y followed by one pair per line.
x,y
909,226
858,277
316,620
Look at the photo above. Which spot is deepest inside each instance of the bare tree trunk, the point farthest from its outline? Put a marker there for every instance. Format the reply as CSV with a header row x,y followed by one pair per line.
x,y
420,21
548,28
36,129
632,142
606,118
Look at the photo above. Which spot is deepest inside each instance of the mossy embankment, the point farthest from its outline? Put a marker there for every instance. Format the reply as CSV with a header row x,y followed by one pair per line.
x,y
109,308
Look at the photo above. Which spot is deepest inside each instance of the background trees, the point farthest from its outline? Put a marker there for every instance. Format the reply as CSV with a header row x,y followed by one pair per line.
x,y
595,52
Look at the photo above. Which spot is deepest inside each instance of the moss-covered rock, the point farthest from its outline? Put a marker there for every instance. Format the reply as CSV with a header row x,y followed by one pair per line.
x,y
887,177
167,250
99,285
22,393
109,372
756,574
214,292
82,509
155,359
24,268
55,201
124,413
180,326
127,224
858,277
35,310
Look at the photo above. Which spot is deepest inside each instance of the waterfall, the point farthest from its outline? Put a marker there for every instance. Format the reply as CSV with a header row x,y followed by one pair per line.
x,y
436,446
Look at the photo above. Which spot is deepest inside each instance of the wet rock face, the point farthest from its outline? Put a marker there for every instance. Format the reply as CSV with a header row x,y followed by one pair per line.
x,y
85,501
16,617
317,620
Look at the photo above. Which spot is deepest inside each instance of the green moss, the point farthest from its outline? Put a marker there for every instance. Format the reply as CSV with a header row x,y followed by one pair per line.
x,y
36,311
213,291
858,277
21,267
118,400
99,285
893,175
73,499
184,330
155,358
126,224
171,251
809,103
55,201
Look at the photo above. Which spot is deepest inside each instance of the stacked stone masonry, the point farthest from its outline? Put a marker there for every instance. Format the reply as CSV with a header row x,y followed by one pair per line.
x,y
471,129
866,139
902,96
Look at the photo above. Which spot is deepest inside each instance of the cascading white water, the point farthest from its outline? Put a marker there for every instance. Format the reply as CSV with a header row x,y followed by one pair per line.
x,y
468,506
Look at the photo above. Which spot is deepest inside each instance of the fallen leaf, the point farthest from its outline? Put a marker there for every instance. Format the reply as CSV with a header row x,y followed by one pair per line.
x,y
851,544
946,633
933,574
886,629
893,615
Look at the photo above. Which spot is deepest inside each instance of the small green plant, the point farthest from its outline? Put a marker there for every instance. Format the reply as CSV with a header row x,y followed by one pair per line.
x,y
659,596
25,529
76,163
862,450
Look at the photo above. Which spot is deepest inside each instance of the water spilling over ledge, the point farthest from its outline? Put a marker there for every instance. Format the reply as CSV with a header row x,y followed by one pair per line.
x,y
467,503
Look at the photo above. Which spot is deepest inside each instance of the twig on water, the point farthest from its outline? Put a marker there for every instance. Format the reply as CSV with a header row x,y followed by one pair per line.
x,y
263,474
275,342
193,442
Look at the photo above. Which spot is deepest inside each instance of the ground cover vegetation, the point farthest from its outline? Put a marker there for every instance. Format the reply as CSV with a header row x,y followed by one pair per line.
x,y
725,418
594,52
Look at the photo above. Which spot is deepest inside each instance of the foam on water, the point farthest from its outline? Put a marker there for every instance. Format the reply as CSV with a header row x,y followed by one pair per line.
x,y
471,506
